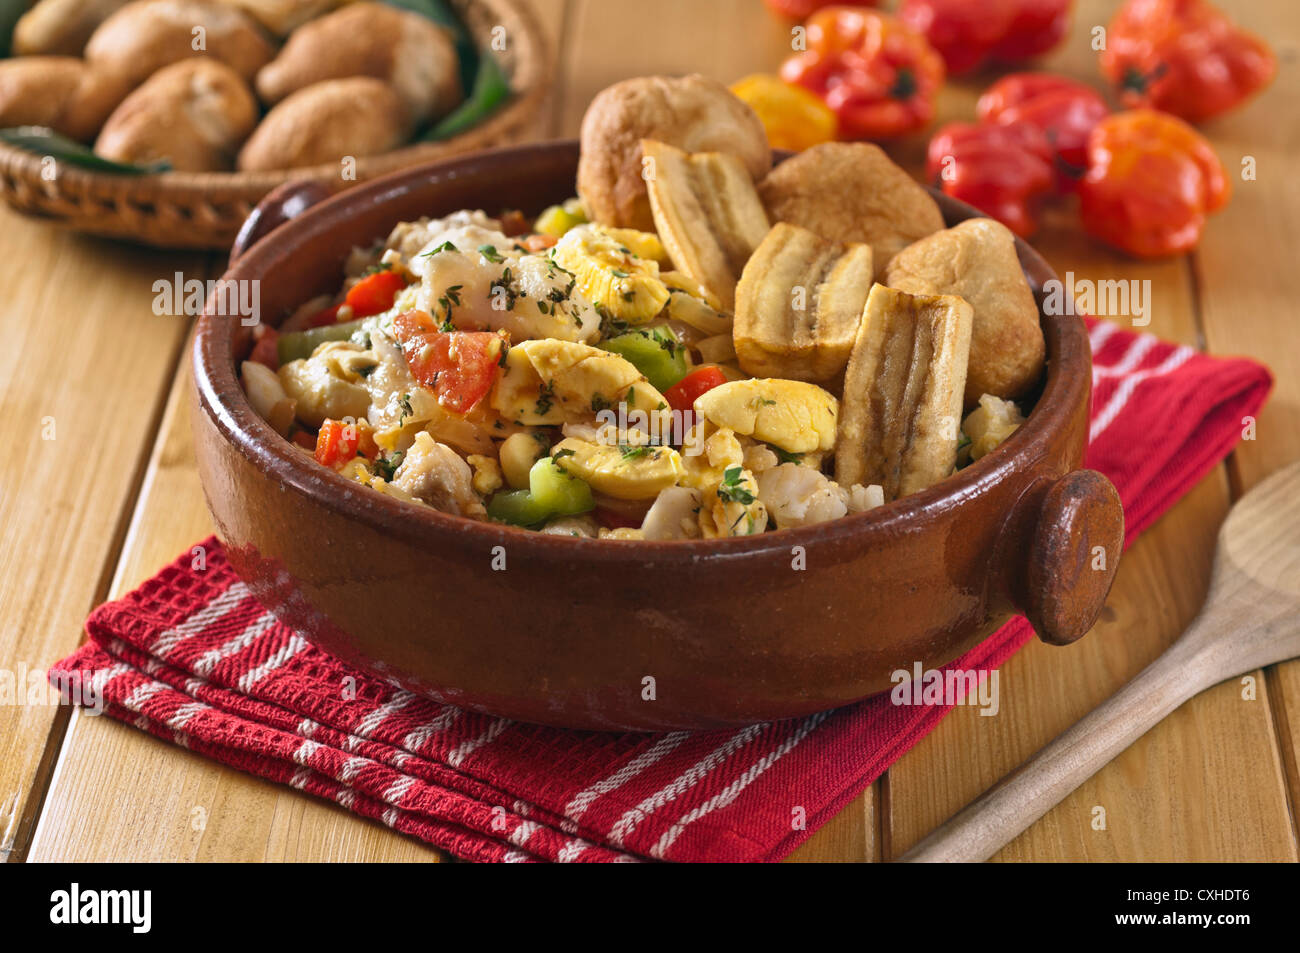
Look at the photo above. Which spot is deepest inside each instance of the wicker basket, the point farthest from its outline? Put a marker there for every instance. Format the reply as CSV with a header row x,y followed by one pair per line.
x,y
205,209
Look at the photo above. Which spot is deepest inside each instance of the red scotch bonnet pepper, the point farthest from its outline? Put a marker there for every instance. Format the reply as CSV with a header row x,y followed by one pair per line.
x,y
1063,109
798,10
878,75
1004,171
1031,141
1183,57
970,33
1152,180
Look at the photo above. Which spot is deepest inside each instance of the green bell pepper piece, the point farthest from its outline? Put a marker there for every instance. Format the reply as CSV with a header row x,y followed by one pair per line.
x,y
655,352
556,220
300,344
551,492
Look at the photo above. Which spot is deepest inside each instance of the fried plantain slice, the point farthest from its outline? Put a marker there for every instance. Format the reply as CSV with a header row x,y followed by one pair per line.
x,y
707,213
977,261
901,409
798,305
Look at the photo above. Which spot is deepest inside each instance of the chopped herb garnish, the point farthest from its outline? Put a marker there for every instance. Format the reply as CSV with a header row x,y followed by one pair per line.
x,y
405,404
731,489
387,466
445,246
491,254
546,398
631,453
558,454
785,456
619,273
600,402
610,326
505,286
449,297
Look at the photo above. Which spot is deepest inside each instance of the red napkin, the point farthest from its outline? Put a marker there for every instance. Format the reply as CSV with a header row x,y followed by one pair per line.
x,y
191,657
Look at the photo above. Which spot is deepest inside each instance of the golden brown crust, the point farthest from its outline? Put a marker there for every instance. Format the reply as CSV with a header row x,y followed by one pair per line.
x,y
977,261
706,213
694,113
282,17
851,192
901,409
327,122
143,37
407,51
194,113
60,27
61,92
799,304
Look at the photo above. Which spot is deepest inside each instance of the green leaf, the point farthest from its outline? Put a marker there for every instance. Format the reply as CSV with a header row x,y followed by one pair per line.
x,y
490,90
47,142
10,11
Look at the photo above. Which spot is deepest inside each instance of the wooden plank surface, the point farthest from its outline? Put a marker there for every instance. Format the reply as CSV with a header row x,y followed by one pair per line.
x,y
1211,782
126,795
1247,278
81,377
1178,794
130,796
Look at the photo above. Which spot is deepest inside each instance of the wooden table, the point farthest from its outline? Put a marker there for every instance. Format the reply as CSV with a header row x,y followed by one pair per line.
x,y
113,495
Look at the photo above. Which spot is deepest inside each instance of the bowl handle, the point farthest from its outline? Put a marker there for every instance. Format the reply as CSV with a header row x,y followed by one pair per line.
x,y
1074,551
278,206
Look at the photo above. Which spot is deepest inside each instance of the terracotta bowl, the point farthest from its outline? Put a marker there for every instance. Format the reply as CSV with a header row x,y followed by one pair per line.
x,y
599,634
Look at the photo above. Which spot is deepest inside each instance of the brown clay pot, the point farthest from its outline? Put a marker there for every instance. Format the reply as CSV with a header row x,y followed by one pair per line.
x,y
572,631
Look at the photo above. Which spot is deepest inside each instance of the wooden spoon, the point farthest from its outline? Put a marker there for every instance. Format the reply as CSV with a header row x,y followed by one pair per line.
x,y
1251,618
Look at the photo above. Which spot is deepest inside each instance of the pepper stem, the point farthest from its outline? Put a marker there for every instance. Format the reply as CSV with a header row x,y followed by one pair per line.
x,y
904,85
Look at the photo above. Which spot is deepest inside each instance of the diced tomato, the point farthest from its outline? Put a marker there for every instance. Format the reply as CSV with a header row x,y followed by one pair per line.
x,y
539,242
340,441
459,366
265,350
411,324
325,316
303,438
374,293
682,395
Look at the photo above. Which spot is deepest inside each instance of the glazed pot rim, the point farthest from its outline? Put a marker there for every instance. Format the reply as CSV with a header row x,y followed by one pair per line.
x,y
221,397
